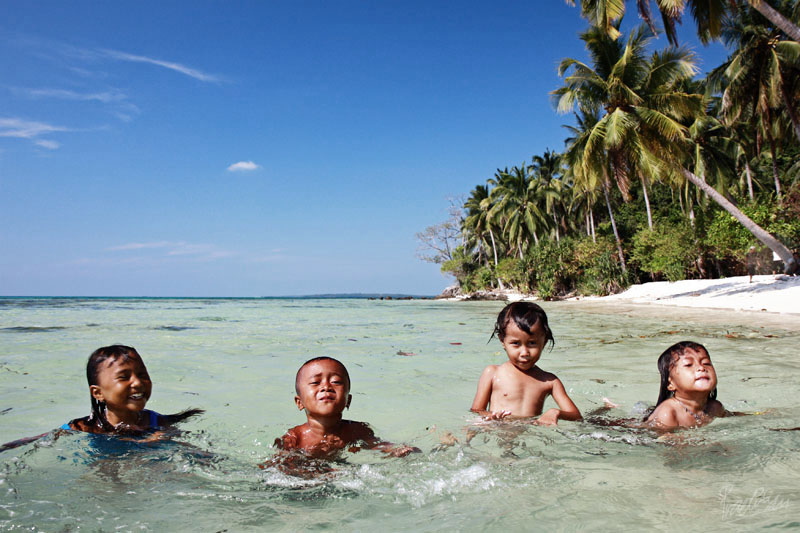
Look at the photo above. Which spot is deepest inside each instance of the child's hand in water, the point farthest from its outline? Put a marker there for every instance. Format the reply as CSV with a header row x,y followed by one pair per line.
x,y
548,418
402,450
497,415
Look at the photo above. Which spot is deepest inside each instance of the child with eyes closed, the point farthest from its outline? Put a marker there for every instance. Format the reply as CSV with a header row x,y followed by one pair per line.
x,y
688,393
322,385
518,387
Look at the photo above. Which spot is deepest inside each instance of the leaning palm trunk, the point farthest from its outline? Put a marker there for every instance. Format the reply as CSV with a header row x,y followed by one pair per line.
x,y
614,227
762,235
591,219
769,13
647,204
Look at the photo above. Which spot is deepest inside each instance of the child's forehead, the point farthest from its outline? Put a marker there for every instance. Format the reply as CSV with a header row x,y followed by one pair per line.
x,y
322,366
513,328
692,353
122,362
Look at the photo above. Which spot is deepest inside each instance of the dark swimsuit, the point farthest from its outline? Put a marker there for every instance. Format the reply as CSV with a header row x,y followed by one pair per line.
x,y
153,421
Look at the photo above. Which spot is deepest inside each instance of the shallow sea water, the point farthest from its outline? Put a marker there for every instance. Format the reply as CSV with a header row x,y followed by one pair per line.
x,y
236,358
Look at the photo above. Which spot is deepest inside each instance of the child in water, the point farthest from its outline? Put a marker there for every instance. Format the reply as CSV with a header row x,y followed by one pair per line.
x,y
323,392
688,393
120,386
518,387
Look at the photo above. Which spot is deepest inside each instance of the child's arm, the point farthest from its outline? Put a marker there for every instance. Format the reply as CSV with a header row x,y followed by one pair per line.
x,y
481,401
364,433
567,410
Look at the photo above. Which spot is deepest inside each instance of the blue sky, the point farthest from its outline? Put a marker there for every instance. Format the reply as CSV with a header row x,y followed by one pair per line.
x,y
261,148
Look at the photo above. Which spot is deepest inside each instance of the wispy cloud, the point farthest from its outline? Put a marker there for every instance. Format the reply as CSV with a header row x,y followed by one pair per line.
x,y
177,67
65,94
50,145
31,130
203,252
243,166
142,246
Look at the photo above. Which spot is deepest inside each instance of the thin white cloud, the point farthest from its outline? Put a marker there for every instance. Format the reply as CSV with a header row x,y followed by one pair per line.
x,y
64,94
28,129
243,166
201,252
177,67
50,145
142,246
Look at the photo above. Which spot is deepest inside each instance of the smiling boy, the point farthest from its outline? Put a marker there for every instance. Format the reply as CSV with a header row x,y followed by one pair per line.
x,y
322,385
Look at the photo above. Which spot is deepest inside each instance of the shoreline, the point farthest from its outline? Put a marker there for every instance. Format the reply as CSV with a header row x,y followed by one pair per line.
x,y
767,293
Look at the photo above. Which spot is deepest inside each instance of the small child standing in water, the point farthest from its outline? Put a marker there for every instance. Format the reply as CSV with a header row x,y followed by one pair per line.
x,y
322,385
518,387
120,386
688,393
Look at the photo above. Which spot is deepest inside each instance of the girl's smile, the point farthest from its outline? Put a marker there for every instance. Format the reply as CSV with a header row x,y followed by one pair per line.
x,y
124,385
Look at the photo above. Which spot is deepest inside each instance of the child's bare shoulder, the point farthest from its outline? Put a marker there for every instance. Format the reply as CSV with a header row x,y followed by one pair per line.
x,y
354,431
663,415
291,439
715,408
544,375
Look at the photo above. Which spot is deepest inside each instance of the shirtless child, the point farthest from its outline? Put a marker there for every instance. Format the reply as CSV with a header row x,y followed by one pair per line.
x,y
323,392
518,388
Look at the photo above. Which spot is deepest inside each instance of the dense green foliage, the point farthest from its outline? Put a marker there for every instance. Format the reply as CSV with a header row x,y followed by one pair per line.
x,y
663,177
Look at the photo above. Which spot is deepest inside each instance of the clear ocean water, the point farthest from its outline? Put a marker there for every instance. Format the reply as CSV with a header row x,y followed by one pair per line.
x,y
414,368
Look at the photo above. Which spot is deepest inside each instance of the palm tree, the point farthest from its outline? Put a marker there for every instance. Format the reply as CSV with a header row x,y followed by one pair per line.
x,y
708,15
642,99
589,168
477,222
517,197
547,168
757,78
644,109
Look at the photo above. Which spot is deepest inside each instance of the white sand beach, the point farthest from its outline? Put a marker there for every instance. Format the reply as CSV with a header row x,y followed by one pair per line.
x,y
774,294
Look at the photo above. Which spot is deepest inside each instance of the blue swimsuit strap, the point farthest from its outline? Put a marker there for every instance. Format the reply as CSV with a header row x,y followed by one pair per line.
x,y
153,421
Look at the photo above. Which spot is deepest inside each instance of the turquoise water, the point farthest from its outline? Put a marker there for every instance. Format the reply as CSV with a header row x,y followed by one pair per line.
x,y
237,359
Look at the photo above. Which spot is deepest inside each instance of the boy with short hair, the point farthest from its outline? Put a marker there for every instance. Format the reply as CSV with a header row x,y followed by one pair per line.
x,y
322,385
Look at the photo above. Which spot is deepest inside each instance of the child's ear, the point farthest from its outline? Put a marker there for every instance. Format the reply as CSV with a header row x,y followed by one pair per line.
x,y
96,393
671,386
299,403
349,399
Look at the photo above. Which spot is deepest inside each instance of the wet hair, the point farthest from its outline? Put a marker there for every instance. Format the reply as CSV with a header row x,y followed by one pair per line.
x,y
525,315
320,358
666,362
111,354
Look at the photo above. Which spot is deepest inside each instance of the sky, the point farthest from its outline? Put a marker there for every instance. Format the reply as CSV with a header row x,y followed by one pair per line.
x,y
262,148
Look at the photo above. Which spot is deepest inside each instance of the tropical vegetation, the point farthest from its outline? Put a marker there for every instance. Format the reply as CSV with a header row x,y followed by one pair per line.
x,y
663,175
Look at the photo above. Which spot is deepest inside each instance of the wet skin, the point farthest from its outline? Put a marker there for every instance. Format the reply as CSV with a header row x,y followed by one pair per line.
x,y
692,378
124,385
518,387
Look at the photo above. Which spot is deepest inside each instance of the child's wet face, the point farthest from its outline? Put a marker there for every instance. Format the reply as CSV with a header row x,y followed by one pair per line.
x,y
692,371
124,385
523,349
323,388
